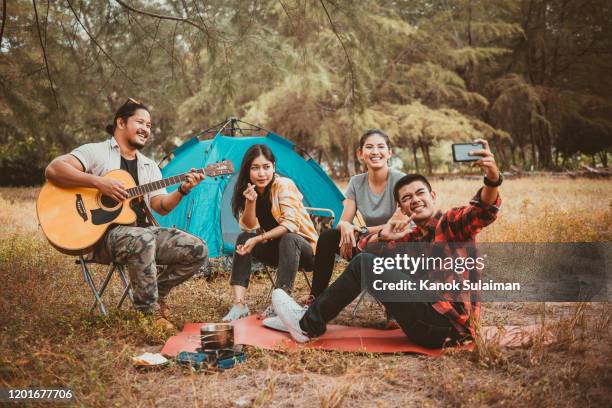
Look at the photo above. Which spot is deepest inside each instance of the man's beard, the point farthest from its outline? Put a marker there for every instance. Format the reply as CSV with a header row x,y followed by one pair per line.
x,y
136,145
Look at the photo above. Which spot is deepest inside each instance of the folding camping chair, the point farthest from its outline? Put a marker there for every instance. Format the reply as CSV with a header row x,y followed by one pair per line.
x,y
362,296
322,218
98,293
113,267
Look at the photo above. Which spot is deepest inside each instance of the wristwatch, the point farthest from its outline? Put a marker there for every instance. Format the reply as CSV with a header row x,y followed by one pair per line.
x,y
364,231
495,183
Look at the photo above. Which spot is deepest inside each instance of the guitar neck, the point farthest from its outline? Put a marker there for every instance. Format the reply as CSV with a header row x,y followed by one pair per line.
x,y
158,185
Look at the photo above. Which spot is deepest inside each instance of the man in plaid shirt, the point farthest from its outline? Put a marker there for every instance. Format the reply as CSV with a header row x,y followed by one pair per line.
x,y
429,324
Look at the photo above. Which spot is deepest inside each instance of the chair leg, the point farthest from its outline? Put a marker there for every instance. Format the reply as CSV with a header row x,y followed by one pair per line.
x,y
125,294
269,275
92,286
109,275
359,300
307,280
128,288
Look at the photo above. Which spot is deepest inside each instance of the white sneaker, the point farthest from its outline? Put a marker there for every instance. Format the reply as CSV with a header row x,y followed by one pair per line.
x,y
236,313
290,313
275,323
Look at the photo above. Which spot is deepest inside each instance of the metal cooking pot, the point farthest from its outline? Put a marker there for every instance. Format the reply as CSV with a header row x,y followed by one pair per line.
x,y
215,336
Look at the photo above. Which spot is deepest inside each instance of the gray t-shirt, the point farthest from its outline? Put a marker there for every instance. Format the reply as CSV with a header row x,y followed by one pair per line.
x,y
375,209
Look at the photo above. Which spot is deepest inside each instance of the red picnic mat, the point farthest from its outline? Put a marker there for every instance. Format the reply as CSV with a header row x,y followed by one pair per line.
x,y
250,331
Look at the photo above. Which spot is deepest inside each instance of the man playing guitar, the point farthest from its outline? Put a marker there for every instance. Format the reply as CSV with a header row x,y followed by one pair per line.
x,y
143,245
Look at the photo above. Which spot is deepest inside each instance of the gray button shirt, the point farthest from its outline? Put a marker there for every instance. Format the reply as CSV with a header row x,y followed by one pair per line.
x,y
375,209
100,158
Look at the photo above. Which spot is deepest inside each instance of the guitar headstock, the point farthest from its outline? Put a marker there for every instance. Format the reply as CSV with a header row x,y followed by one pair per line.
x,y
218,169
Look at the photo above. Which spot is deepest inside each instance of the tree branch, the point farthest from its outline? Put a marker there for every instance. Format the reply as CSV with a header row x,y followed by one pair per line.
x,y
152,45
165,17
44,51
197,9
98,45
3,21
293,28
346,54
173,58
172,55
47,21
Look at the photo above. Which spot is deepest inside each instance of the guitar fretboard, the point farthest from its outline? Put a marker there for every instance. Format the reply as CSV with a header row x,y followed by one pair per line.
x,y
156,185
212,170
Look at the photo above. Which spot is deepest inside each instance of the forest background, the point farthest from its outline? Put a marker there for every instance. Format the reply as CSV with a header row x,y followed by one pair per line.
x,y
531,76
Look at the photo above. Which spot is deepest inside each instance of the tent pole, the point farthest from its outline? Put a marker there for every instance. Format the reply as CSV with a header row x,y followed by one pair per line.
x,y
234,125
203,132
252,125
232,130
227,122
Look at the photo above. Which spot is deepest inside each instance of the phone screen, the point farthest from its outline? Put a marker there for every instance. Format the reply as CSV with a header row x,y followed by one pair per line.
x,y
461,151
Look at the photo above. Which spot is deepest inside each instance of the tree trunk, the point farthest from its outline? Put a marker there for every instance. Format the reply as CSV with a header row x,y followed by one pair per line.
x,y
535,32
534,158
499,150
426,157
603,156
344,163
414,154
545,147
350,162
429,165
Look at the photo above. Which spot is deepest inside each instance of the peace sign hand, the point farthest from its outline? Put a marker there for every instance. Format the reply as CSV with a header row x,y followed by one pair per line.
x,y
395,229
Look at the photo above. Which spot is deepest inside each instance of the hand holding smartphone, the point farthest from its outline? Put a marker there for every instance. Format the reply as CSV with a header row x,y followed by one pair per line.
x,y
461,151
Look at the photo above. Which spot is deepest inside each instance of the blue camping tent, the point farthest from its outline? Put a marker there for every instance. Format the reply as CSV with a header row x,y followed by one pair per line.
x,y
206,211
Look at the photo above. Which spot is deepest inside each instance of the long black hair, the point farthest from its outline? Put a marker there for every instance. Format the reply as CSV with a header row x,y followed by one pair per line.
x,y
125,111
244,176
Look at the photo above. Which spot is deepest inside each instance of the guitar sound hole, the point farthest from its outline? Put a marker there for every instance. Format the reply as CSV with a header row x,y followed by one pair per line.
x,y
108,202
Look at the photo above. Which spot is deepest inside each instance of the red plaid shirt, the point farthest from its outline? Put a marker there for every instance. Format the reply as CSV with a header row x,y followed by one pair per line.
x,y
459,224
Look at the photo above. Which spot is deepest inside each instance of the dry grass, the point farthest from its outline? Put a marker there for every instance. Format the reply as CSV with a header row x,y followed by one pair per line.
x,y
47,337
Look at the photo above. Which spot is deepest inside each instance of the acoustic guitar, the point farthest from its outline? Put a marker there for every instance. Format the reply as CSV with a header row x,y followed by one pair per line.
x,y
74,219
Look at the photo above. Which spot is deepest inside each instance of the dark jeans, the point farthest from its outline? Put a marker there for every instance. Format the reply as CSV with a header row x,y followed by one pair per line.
x,y
327,248
421,323
289,252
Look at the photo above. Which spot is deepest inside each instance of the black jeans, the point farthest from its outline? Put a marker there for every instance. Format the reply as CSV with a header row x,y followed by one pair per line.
x,y
289,252
327,248
421,323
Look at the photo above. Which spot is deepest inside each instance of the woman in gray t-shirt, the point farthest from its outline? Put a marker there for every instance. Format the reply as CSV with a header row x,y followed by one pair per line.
x,y
372,194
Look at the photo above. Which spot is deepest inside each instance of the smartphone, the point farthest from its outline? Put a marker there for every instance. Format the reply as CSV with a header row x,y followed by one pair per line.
x,y
461,151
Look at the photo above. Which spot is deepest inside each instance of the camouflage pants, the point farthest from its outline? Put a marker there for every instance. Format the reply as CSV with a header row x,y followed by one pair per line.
x,y
142,249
